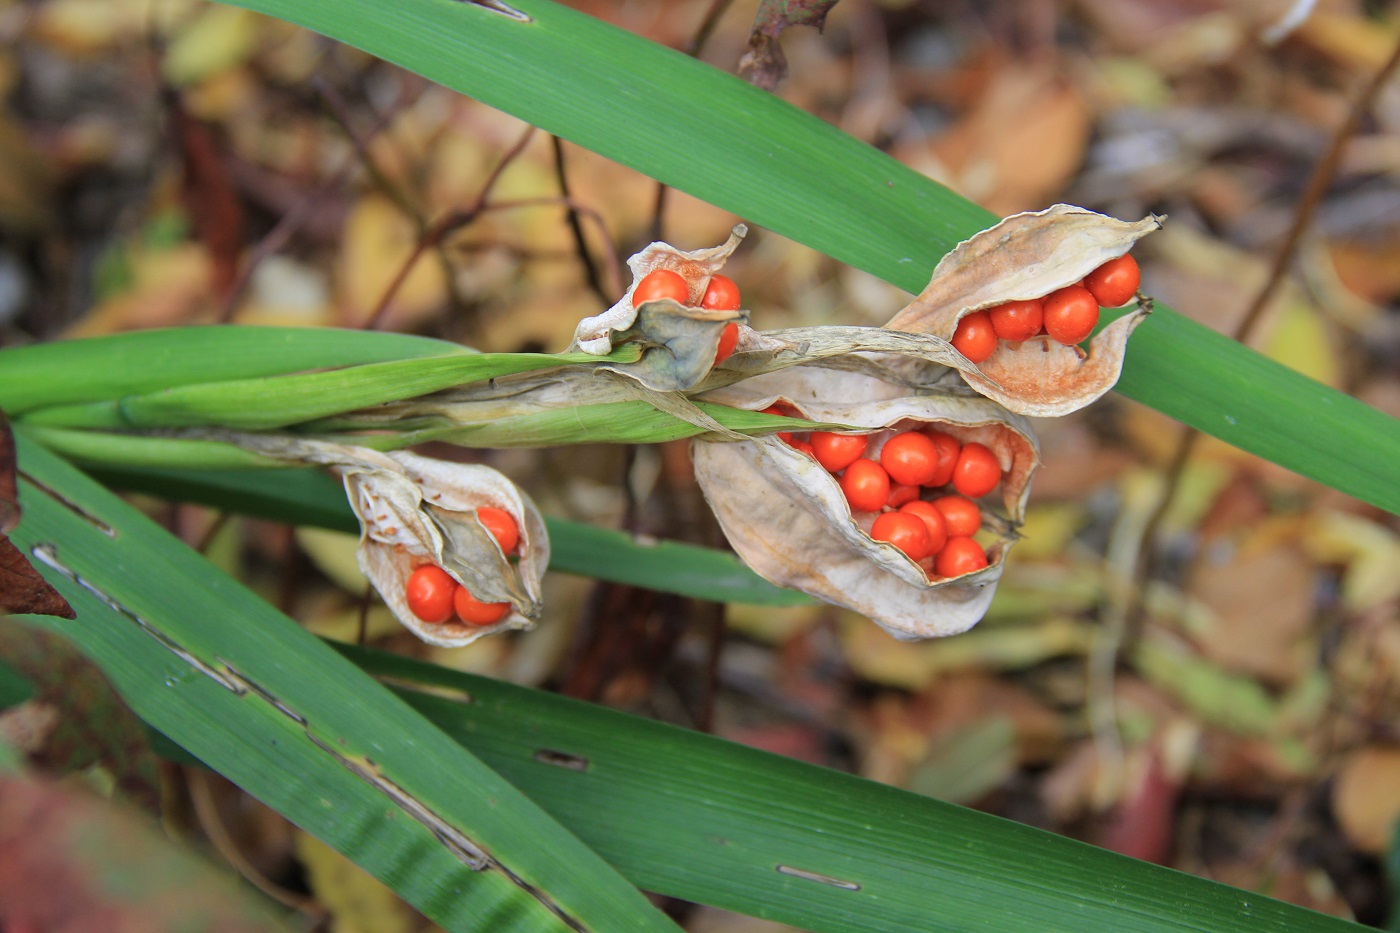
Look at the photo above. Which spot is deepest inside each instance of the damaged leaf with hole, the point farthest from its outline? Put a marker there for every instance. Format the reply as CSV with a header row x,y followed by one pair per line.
x,y
1028,256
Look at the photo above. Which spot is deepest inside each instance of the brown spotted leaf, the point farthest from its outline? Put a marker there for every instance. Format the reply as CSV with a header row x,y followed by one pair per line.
x,y
1028,256
788,519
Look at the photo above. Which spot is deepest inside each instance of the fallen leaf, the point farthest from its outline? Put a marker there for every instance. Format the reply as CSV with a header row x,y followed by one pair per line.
x,y
210,199
1261,600
356,900
71,861
1366,797
379,240
1022,142
764,64
23,591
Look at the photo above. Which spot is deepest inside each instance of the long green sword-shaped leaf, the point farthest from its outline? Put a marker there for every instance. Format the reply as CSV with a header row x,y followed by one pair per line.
x,y
275,401
256,697
15,688
726,142
102,368
710,821
309,497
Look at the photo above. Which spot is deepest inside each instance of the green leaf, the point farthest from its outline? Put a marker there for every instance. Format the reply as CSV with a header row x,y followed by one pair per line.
x,y
103,368
255,696
699,818
726,142
1392,871
276,401
15,688
310,497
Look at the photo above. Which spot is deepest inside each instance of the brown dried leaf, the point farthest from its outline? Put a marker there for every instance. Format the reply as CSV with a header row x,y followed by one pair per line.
x,y
70,861
23,591
764,64
787,517
1022,141
1028,256
209,194
96,730
1366,797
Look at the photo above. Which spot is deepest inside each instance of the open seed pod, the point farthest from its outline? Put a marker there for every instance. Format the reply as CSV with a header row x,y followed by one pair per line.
x,y
416,510
427,514
681,340
1028,256
788,518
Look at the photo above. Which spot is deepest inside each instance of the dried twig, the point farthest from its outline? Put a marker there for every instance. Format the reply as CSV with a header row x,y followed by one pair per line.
x,y
449,223
590,271
693,48
207,812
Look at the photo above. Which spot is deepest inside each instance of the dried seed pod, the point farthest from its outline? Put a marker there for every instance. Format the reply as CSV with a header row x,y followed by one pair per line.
x,y
416,510
788,519
426,512
688,333
1029,256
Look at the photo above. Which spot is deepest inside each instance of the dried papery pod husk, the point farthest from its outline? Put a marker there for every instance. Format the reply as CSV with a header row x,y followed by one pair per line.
x,y
1028,256
681,340
416,510
788,519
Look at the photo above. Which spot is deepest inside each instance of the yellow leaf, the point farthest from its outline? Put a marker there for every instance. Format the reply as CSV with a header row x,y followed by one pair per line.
x,y
378,241
219,38
1366,797
1299,340
357,901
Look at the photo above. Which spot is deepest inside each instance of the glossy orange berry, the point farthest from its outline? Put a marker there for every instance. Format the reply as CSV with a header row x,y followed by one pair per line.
x,y
1017,320
933,520
728,340
911,458
802,447
906,532
658,284
428,593
474,612
948,449
502,527
961,516
866,485
959,556
721,294
977,471
838,451
1115,282
1070,314
900,494
974,337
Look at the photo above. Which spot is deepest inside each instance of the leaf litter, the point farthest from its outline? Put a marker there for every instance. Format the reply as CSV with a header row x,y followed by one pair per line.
x,y
1266,700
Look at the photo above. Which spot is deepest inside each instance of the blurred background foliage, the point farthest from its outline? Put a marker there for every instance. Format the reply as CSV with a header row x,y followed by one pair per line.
x,y
179,162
